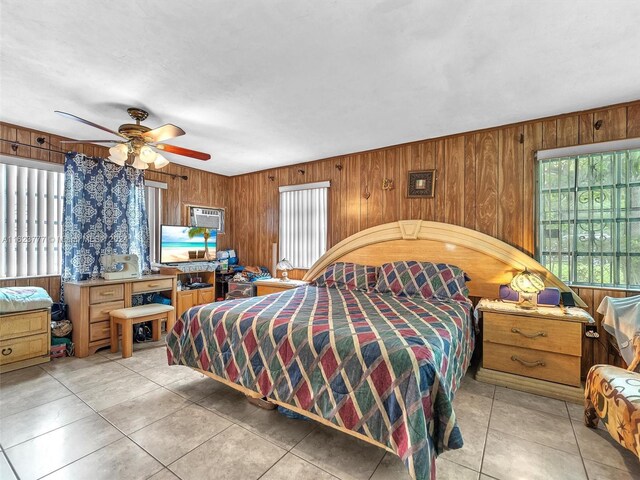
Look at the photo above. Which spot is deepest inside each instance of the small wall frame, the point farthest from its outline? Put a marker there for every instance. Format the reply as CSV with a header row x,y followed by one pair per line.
x,y
421,184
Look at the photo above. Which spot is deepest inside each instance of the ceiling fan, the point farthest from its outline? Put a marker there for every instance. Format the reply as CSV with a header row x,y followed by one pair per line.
x,y
139,141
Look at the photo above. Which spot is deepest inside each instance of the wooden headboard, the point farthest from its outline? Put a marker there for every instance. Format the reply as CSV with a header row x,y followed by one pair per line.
x,y
488,261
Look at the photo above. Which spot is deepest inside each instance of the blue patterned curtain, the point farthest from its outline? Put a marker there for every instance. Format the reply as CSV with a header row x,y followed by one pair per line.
x,y
104,213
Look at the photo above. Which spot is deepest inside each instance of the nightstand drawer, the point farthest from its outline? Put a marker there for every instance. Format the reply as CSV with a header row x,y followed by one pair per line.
x,y
553,367
266,290
535,333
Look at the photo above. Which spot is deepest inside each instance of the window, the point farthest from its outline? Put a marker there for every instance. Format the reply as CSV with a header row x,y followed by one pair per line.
x,y
589,217
303,223
31,197
153,202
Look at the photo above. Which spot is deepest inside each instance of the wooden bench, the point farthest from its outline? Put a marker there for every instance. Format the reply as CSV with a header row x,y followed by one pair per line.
x,y
128,317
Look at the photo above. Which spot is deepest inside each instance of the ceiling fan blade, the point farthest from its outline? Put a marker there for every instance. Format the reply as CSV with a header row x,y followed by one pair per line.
x,y
185,152
87,122
91,141
165,132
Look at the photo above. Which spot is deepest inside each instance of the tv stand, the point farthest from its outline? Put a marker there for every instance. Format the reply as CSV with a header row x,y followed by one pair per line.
x,y
185,299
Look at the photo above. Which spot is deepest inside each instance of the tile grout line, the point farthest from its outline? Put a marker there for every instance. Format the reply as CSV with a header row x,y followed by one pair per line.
x,y
6,457
486,435
575,436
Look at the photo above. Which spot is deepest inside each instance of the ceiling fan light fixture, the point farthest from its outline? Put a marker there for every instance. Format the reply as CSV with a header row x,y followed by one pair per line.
x,y
139,164
119,153
160,161
147,155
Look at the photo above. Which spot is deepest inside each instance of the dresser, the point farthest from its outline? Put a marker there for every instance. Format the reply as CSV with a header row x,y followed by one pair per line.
x,y
538,350
90,301
274,285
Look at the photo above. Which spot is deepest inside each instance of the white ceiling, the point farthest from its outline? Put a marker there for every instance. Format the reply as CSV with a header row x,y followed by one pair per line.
x,y
260,84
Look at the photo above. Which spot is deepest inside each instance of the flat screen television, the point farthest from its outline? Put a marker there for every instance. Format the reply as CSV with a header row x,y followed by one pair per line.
x,y
186,244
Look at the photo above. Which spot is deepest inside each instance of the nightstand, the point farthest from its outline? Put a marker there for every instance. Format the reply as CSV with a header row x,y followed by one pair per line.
x,y
538,350
274,285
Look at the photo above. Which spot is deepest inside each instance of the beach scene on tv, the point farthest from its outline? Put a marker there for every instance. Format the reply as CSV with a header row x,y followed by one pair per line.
x,y
187,244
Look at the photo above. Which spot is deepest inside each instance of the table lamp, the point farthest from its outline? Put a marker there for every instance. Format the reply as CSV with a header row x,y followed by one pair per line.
x,y
285,266
527,284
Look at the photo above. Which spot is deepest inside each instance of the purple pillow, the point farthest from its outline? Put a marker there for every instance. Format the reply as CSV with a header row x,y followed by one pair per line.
x,y
425,279
351,276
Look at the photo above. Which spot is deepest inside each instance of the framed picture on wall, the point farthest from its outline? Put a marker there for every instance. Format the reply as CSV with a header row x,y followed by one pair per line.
x,y
421,184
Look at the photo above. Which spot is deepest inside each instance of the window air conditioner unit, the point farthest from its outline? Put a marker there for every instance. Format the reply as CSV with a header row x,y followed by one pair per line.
x,y
207,217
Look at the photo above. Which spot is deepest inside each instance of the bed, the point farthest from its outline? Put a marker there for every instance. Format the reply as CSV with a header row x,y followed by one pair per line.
x,y
378,366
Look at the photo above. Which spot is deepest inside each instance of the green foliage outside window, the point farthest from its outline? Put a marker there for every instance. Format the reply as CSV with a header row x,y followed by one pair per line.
x,y
589,218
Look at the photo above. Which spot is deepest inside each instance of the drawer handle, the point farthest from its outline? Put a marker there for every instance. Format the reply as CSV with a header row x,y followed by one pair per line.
x,y
107,294
153,284
528,335
7,351
537,363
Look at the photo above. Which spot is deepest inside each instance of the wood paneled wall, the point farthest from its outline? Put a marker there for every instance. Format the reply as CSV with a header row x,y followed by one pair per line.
x,y
201,188
485,181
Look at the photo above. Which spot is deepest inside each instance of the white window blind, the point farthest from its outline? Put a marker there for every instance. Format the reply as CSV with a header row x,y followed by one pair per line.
x,y
303,223
153,201
31,201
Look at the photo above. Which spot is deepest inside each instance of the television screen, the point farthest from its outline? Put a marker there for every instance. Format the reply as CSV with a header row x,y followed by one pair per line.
x,y
187,244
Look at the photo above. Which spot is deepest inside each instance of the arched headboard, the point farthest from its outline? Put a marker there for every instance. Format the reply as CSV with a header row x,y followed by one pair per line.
x,y
488,261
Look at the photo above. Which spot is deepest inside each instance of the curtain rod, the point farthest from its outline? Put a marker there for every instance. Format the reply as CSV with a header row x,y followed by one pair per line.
x,y
15,145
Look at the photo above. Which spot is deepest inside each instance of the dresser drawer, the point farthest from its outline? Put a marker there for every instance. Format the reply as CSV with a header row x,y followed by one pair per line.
x,y
100,311
99,331
553,367
152,285
536,333
106,293
24,323
24,348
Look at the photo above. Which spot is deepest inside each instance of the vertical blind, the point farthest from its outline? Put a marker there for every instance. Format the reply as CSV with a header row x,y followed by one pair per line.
x,y
303,223
153,202
589,218
30,220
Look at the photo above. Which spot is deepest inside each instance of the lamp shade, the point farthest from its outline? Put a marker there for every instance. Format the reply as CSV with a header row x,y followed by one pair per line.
x,y
118,154
147,155
139,164
527,282
284,264
160,161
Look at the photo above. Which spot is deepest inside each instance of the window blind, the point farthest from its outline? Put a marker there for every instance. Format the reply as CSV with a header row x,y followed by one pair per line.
x,y
153,202
30,220
303,223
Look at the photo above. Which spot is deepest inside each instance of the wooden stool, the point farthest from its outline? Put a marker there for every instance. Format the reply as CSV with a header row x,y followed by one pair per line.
x,y
128,317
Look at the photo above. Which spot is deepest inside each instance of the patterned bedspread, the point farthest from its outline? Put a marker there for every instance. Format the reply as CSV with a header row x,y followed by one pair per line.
x,y
384,366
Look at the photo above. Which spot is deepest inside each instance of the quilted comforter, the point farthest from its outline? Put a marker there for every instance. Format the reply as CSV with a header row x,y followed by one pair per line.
x,y
386,367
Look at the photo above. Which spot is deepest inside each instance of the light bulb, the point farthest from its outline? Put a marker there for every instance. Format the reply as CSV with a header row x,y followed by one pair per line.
x,y
160,161
139,164
147,155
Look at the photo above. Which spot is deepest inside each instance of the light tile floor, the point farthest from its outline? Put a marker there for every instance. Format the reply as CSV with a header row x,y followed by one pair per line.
x,y
103,417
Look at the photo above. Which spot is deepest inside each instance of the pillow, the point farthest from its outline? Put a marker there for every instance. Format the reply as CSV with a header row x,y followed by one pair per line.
x,y
425,279
348,275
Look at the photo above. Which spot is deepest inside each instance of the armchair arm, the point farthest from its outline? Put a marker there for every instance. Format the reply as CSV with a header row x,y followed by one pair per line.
x,y
636,354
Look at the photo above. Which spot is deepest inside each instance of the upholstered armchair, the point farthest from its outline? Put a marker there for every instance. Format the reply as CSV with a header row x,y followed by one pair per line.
x,y
612,395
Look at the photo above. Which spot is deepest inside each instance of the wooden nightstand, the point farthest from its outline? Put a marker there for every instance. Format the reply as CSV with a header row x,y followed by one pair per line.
x,y
538,351
273,285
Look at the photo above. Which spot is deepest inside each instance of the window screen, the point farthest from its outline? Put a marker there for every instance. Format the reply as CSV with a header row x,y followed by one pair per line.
x,y
303,223
589,218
